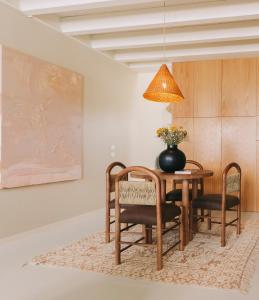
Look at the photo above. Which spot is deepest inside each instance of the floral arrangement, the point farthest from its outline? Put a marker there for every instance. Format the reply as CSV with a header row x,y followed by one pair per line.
x,y
171,135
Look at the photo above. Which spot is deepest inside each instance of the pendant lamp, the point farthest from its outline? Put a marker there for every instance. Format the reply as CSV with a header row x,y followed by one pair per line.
x,y
163,88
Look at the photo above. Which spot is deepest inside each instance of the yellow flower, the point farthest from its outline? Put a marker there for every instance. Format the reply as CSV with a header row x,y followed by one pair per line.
x,y
171,135
159,132
173,128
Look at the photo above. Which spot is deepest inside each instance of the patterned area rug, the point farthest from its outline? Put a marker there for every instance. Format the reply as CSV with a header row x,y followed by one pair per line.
x,y
203,262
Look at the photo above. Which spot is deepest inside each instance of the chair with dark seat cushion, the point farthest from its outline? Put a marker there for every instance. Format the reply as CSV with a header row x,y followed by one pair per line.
x,y
176,193
145,207
229,199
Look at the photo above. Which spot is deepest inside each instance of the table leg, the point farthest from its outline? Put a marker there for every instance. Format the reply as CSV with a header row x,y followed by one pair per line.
x,y
163,194
163,190
185,203
193,222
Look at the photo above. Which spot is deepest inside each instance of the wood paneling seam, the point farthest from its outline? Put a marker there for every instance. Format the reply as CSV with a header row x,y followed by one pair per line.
x,y
221,140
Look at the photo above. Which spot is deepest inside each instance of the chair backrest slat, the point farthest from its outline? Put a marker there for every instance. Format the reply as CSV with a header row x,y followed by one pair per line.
x,y
137,193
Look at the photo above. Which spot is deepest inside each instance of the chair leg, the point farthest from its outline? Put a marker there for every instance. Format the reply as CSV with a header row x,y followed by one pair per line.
x,y
223,228
195,220
159,248
107,225
202,215
239,219
209,219
144,233
117,242
147,232
191,225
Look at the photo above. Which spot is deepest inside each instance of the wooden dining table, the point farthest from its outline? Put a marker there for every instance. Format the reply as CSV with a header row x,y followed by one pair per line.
x,y
186,180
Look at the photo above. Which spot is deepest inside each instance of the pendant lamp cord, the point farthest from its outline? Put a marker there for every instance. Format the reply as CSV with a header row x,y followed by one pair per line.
x,y
164,32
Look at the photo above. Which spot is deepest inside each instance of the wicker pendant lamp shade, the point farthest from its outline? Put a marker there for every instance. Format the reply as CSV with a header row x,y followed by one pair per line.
x,y
163,87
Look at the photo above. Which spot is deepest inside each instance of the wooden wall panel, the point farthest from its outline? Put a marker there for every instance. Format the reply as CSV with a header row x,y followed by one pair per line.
x,y
239,144
183,74
257,138
257,87
187,145
221,115
207,150
239,87
200,83
207,88
1,82
257,176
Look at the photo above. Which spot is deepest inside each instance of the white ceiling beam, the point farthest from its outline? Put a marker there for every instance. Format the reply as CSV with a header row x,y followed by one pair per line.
x,y
40,7
178,36
189,53
155,65
189,14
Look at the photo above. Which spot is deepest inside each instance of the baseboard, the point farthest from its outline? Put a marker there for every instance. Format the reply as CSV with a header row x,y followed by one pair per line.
x,y
50,226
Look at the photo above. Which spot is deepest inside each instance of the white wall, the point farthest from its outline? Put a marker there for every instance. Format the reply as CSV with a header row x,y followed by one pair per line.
x,y
107,109
147,116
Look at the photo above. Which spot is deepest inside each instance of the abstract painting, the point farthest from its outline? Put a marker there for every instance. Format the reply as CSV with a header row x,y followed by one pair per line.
x,y
41,121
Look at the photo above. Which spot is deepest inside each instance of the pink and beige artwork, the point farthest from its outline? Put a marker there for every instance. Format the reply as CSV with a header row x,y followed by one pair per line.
x,y
41,121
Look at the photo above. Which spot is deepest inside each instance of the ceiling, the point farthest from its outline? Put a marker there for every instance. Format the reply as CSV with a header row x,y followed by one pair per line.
x,y
131,31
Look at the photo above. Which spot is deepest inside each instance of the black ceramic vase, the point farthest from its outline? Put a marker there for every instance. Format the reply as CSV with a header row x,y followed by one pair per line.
x,y
172,159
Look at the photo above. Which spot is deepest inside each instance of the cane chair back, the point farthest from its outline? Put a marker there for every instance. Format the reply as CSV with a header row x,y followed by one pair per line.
x,y
231,179
137,193
233,183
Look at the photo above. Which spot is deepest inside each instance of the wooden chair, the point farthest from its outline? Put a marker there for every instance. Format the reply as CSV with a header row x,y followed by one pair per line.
x,y
145,207
110,203
176,193
226,201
